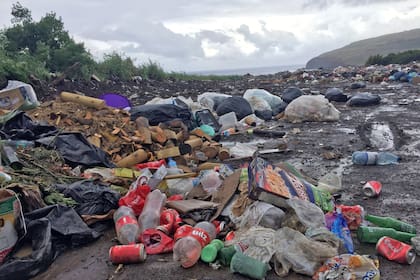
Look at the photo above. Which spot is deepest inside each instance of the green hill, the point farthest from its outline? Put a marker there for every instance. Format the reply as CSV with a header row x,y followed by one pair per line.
x,y
358,52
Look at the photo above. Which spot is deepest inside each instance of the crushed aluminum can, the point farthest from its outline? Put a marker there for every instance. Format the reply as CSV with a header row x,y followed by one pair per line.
x,y
372,188
395,250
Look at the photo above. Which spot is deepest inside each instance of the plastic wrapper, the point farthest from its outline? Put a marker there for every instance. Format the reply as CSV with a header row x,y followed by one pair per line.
x,y
315,108
297,252
258,243
344,267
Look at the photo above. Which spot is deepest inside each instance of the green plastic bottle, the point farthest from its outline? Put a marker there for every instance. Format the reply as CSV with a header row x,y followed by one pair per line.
x,y
373,234
225,255
209,252
388,222
248,266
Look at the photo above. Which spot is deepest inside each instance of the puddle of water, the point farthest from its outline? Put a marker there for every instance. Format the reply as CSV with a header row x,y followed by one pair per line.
x,y
386,108
381,137
347,130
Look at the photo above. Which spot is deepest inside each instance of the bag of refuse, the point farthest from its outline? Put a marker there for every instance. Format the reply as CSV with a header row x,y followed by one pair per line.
x,y
159,113
364,99
260,107
51,230
211,100
348,266
275,102
335,94
303,215
236,104
18,96
93,197
314,108
297,252
291,93
263,214
179,101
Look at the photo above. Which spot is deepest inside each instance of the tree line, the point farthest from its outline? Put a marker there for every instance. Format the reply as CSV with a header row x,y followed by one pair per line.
x,y
43,49
394,58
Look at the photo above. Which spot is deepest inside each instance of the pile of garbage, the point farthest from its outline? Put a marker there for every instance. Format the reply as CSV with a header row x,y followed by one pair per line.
x,y
160,175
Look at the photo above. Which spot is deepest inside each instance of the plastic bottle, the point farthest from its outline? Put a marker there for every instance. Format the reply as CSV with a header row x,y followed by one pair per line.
x,y
150,216
373,234
173,168
187,250
386,158
226,254
340,228
389,222
210,181
248,266
364,158
374,158
126,225
209,252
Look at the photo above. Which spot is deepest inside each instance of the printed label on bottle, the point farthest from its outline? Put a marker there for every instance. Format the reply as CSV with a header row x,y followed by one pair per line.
x,y
124,221
201,236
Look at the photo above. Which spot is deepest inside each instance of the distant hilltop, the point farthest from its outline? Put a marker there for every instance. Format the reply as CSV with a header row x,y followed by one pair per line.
x,y
358,52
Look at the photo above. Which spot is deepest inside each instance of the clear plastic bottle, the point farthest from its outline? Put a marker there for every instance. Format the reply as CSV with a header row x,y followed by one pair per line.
x,y
126,225
210,180
150,216
386,158
187,250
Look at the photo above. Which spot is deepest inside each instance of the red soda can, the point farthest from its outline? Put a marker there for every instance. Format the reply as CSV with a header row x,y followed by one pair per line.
x,y
372,188
395,250
132,253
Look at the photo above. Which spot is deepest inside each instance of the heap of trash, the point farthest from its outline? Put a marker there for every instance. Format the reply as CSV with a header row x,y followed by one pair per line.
x,y
160,174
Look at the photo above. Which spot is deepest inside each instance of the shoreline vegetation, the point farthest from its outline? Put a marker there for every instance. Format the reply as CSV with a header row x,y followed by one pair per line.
x,y
44,50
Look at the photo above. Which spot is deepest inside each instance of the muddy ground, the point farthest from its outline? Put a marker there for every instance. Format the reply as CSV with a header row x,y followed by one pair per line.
x,y
308,142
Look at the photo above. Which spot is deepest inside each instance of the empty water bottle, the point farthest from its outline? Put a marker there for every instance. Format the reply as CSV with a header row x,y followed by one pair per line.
x,y
126,225
364,158
386,158
150,216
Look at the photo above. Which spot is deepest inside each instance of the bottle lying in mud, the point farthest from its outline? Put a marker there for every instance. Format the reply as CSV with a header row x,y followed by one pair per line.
x,y
389,222
374,158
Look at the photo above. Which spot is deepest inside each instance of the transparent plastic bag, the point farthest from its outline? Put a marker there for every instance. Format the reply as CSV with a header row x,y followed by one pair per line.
x,y
303,215
315,108
211,100
297,252
263,214
258,243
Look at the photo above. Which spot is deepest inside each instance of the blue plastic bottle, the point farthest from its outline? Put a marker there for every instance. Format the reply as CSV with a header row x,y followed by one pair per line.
x,y
364,158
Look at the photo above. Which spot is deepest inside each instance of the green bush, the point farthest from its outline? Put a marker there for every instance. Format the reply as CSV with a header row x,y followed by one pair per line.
x,y
152,70
116,66
392,58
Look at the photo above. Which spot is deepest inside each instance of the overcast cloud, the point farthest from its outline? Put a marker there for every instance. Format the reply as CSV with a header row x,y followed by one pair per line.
x,y
217,34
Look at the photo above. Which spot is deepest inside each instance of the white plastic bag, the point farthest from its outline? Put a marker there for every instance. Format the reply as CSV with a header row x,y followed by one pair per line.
x,y
272,100
211,100
315,108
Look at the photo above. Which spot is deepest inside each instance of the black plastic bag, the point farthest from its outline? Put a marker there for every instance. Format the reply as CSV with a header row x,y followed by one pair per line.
x,y
357,85
159,113
76,150
21,127
364,99
335,94
279,108
94,197
264,114
236,104
291,93
51,230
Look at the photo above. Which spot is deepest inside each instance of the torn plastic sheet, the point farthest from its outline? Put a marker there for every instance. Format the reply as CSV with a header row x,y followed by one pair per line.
x,y
76,150
51,230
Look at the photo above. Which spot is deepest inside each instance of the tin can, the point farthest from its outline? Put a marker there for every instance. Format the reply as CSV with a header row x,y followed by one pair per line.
x,y
395,250
372,188
132,253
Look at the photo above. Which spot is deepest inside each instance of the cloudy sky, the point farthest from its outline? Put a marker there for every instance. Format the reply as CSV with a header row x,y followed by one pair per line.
x,y
223,34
